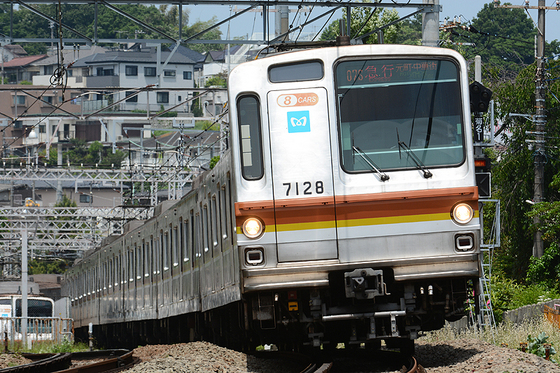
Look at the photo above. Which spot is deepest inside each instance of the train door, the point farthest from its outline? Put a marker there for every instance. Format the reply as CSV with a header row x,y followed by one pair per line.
x,y
300,144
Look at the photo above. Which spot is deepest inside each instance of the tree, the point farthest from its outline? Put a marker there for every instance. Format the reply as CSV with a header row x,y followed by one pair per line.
x,y
365,20
513,176
199,26
218,80
503,37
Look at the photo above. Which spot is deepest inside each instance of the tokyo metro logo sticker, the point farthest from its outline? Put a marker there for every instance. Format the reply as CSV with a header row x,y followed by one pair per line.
x,y
298,121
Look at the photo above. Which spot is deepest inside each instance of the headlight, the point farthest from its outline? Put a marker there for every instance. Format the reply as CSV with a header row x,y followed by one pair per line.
x,y
462,213
253,228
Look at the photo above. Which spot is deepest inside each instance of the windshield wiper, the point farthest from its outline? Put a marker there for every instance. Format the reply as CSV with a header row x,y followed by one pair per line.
x,y
419,165
383,176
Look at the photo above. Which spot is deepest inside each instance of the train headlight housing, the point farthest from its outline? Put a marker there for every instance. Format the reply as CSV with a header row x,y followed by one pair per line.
x,y
253,228
462,213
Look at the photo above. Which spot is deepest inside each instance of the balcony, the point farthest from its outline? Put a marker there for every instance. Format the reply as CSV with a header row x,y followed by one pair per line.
x,y
101,81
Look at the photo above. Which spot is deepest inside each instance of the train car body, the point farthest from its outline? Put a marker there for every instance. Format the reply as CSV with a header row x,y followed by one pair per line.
x,y
345,211
40,312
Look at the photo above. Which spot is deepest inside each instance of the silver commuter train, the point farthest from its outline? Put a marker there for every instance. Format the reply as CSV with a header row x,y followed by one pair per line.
x,y
345,211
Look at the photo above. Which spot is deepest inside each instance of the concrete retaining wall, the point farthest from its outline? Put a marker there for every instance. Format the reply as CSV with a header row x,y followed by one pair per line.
x,y
528,312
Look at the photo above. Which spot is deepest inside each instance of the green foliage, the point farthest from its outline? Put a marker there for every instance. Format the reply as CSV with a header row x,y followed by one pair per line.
x,y
199,26
537,345
214,160
111,25
93,155
508,294
25,82
365,20
37,267
49,347
66,202
206,125
513,174
219,80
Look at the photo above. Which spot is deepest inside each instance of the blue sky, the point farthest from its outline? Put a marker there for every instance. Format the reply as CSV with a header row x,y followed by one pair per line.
x,y
252,21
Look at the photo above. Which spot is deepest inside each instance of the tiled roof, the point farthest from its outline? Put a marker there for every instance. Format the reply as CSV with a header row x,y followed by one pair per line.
x,y
23,61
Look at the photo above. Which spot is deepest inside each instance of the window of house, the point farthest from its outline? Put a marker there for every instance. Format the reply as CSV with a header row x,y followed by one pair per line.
x,y
169,73
162,97
85,198
48,70
187,75
19,100
49,99
42,128
131,70
150,71
69,72
133,98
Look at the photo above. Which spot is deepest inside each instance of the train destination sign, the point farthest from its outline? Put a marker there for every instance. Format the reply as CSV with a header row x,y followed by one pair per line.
x,y
371,72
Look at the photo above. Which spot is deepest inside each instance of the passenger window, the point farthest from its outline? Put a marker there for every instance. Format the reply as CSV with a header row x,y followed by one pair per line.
x,y
186,242
215,221
223,213
175,248
195,238
249,121
205,234
296,72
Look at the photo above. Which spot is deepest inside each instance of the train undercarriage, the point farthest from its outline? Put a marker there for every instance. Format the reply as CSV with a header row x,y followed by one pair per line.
x,y
361,307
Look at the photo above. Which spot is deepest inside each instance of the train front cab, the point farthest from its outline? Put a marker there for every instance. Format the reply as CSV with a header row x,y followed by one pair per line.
x,y
356,200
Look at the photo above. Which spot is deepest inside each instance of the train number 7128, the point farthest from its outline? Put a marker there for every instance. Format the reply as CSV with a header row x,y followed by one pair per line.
x,y
306,188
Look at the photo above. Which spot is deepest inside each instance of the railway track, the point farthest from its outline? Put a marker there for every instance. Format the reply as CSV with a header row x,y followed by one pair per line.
x,y
384,361
79,362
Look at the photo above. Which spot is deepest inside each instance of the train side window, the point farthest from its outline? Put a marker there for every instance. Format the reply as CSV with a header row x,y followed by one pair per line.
x,y
139,258
296,72
130,265
153,256
145,271
117,271
229,222
197,241
205,234
163,251
175,248
214,223
249,121
110,274
223,213
185,242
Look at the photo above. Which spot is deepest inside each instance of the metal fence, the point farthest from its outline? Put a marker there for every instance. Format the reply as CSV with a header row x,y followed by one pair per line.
x,y
53,329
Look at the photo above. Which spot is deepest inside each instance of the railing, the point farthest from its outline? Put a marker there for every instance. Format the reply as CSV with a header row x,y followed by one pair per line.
x,y
53,329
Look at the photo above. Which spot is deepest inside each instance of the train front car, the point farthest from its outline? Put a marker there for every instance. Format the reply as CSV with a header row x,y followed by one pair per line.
x,y
357,207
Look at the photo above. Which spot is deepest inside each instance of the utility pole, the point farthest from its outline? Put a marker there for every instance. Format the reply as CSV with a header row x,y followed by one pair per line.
x,y
430,24
540,121
540,114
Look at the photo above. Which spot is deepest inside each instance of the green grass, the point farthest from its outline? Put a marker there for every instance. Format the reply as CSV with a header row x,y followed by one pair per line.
x,y
506,333
48,347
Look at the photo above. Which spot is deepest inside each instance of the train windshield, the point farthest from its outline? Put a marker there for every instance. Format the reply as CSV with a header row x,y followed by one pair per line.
x,y
394,113
35,308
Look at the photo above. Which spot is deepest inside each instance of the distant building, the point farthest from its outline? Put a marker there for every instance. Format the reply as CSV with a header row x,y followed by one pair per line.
x,y
21,69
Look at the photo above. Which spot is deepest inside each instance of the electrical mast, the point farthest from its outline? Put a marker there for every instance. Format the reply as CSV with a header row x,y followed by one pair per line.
x,y
540,114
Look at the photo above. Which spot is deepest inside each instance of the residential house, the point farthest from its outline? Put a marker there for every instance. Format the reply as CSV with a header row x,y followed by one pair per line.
x,y
21,69
188,148
85,194
47,66
135,70
9,52
42,122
